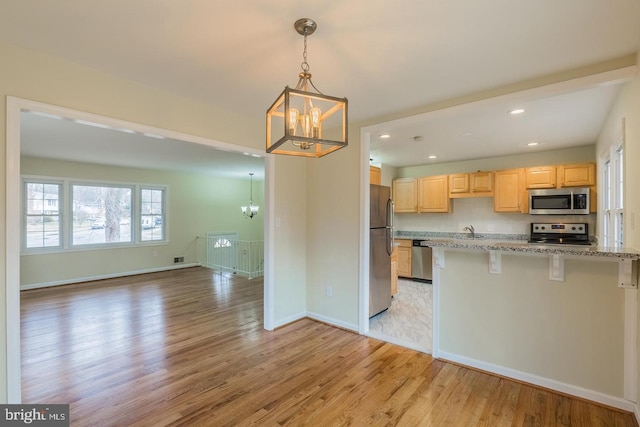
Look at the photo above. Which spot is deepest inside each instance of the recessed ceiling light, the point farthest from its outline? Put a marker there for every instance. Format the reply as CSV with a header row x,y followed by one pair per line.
x,y
432,157
516,111
532,144
385,136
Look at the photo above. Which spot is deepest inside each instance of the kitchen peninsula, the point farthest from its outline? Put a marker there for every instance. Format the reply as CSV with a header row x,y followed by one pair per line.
x,y
561,317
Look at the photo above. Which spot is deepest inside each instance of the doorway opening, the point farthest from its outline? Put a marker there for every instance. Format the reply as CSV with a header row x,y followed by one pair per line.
x,y
16,106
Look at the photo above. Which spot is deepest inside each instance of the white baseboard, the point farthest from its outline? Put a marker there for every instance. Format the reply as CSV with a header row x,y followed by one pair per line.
x,y
289,319
637,413
106,276
594,396
332,321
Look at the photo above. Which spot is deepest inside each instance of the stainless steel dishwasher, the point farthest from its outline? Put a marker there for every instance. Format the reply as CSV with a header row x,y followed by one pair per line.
x,y
421,265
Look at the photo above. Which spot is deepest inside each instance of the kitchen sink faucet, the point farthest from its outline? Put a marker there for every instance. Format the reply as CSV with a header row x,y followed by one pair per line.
x,y
471,231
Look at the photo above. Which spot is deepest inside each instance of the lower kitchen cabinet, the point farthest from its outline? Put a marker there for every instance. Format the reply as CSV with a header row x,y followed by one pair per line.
x,y
404,257
394,271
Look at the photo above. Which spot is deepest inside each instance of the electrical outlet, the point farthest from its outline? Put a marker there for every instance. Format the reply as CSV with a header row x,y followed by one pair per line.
x,y
329,290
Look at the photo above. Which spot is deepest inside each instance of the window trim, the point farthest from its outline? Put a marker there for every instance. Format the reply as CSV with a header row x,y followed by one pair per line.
x,y
61,214
66,236
612,164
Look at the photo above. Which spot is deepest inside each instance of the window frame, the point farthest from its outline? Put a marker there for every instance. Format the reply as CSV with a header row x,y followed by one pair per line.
x,y
70,236
66,215
611,223
163,214
61,214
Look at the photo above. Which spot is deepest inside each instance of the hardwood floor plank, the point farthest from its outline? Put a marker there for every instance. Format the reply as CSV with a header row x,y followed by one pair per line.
x,y
188,348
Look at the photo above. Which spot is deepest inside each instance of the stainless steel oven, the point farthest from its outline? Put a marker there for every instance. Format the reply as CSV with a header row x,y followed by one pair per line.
x,y
563,201
573,233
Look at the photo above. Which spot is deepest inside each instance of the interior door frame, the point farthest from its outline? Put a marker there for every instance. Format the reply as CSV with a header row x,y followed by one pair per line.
x,y
13,230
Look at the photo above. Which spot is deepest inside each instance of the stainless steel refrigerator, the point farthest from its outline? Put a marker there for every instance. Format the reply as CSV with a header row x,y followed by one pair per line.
x,y
380,248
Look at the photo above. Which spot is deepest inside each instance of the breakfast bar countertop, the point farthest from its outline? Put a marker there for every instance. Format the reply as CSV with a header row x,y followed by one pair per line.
x,y
512,243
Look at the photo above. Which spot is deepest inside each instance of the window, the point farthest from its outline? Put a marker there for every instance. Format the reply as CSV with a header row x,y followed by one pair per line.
x,y
101,214
152,214
42,222
613,198
65,215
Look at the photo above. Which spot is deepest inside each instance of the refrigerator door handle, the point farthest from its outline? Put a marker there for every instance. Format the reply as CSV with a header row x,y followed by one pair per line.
x,y
391,242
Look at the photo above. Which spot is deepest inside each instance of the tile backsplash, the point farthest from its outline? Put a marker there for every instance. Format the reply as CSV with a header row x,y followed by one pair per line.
x,y
478,211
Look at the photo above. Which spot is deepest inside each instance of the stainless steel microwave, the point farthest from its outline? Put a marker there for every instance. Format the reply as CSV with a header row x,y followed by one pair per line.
x,y
564,201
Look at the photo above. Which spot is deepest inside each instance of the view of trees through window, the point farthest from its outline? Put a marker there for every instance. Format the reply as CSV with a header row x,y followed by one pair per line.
x,y
42,220
91,214
101,214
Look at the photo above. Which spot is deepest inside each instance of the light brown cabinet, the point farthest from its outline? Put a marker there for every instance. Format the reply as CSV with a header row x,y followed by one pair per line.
x,y
509,193
577,175
375,175
404,257
476,184
459,184
405,195
540,177
433,194
394,271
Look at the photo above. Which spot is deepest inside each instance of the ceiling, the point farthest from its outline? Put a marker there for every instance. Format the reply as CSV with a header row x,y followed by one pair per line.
x,y
387,58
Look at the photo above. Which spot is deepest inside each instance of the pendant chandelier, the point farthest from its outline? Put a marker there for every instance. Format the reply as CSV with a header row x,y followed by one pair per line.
x,y
251,210
311,124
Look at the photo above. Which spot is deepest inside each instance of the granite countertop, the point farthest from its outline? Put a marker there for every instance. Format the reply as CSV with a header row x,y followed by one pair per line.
x,y
512,243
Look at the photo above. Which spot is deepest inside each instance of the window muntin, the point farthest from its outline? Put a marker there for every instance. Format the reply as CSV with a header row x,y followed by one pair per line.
x,y
42,219
89,215
152,214
613,198
101,214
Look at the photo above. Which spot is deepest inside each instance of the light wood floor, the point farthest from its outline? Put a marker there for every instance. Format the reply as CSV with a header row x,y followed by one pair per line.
x,y
188,348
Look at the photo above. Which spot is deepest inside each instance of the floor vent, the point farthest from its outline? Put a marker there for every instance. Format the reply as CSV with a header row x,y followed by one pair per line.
x,y
178,259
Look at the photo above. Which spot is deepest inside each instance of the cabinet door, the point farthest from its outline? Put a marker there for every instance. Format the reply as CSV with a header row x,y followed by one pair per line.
x,y
375,175
577,175
509,191
459,183
433,194
541,177
404,258
481,182
405,195
394,271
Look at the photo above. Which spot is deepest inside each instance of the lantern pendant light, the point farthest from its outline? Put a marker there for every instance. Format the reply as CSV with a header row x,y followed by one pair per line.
x,y
311,124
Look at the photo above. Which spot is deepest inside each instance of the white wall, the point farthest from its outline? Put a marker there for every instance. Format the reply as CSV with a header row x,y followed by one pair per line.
x,y
196,204
43,78
627,106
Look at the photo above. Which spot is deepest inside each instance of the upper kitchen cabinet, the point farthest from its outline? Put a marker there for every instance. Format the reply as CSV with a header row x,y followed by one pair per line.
x,y
509,191
375,175
433,194
577,175
475,184
540,177
405,195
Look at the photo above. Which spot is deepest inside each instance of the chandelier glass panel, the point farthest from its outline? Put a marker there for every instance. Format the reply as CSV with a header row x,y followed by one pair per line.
x,y
303,121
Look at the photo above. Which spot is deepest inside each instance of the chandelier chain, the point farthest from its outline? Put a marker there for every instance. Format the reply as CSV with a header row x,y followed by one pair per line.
x,y
305,64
